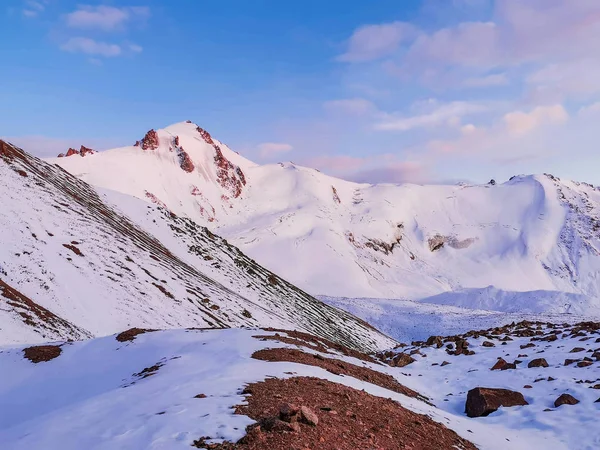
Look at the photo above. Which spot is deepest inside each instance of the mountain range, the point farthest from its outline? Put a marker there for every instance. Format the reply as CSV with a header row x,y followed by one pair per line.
x,y
530,237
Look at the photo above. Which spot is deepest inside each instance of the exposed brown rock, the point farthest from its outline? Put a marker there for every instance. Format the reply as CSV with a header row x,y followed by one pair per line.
x,y
539,362
42,353
364,421
501,364
488,344
401,360
129,335
484,401
149,142
565,399
336,367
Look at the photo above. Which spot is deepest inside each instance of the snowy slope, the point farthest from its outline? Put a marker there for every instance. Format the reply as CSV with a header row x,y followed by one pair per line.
x,y
76,263
107,406
339,238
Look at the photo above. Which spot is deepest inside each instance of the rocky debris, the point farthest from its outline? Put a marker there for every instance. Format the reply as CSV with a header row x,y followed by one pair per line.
x,y
336,197
229,175
435,340
344,419
501,364
584,363
200,396
577,350
185,161
42,353
488,344
86,151
205,135
130,335
149,142
37,316
568,362
401,360
484,401
436,242
538,362
565,399
83,150
336,367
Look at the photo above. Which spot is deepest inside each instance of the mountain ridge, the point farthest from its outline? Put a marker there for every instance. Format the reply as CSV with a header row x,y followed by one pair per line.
x,y
384,240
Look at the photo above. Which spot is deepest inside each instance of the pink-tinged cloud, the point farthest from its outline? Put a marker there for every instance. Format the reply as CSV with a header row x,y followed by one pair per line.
x,y
520,123
270,149
91,47
372,42
105,18
445,114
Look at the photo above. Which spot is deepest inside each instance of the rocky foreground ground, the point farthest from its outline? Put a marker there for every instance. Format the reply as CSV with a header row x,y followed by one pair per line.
x,y
527,384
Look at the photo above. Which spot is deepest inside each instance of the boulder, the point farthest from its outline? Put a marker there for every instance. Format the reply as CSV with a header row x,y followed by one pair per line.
x,y
401,360
483,401
501,364
565,399
538,362
308,416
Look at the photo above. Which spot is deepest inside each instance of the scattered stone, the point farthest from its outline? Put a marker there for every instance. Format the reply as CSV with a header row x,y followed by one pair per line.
x,y
577,350
501,364
484,401
445,363
538,362
401,360
308,416
565,399
488,344
584,363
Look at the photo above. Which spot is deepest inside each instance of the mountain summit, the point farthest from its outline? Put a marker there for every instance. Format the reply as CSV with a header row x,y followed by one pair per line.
x,y
362,240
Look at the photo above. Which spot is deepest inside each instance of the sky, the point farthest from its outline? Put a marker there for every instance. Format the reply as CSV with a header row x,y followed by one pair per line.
x,y
424,91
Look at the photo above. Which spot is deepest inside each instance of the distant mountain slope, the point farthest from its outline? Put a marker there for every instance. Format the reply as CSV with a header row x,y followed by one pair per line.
x,y
75,262
338,238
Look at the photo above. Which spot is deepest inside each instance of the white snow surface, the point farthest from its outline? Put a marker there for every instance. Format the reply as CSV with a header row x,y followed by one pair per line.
x,y
103,262
568,426
90,398
530,234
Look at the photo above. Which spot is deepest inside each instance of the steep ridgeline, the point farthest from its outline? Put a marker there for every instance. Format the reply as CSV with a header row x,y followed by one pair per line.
x,y
77,262
337,238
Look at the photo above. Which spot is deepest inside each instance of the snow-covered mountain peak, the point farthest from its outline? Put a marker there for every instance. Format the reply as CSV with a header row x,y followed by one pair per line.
x,y
367,240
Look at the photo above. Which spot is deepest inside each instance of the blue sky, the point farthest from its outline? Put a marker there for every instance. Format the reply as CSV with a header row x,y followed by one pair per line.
x,y
411,90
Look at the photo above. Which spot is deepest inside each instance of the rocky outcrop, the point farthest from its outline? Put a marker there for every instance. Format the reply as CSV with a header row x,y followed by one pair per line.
x,y
229,175
42,353
185,161
484,401
336,197
149,142
501,364
83,151
205,135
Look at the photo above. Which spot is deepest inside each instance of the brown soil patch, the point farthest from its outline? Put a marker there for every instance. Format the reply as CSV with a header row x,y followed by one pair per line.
x,y
348,419
316,343
336,367
129,335
42,353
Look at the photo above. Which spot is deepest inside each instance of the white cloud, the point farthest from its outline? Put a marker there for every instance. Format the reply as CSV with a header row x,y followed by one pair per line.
x,y
33,8
136,48
498,79
353,106
375,41
105,18
269,149
519,122
91,47
446,114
